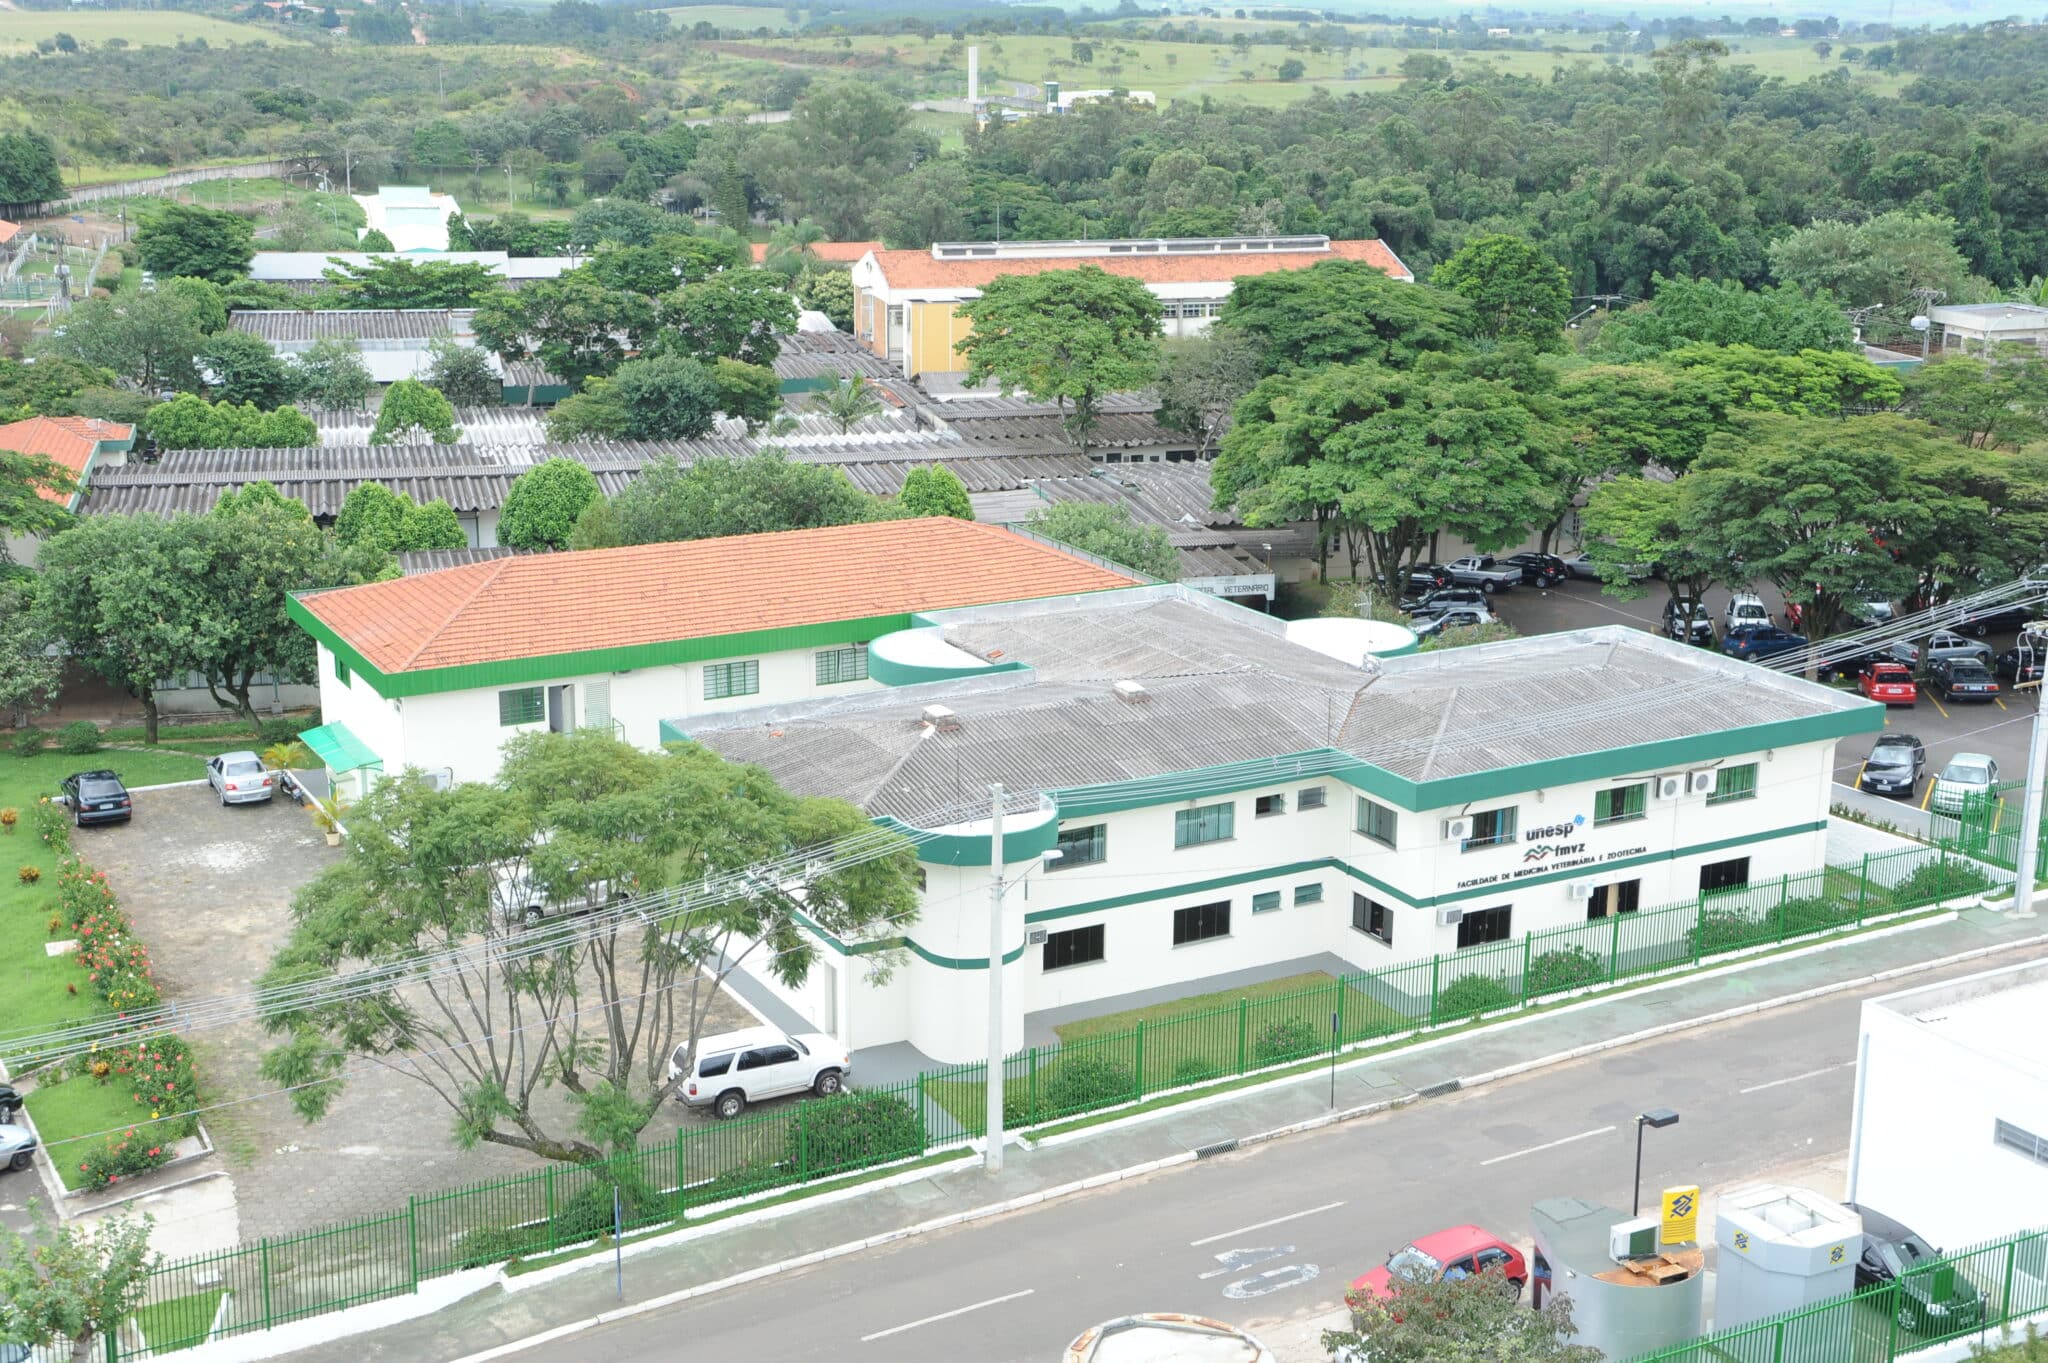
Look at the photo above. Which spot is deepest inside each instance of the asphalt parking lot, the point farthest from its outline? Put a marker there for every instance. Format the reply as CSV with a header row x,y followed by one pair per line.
x,y
1998,728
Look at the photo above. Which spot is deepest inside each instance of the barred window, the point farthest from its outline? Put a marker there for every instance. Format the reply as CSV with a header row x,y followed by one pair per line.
x,y
724,680
525,705
836,665
1308,797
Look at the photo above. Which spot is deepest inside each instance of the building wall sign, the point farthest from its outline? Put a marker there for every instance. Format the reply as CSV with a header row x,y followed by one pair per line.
x,y
1547,851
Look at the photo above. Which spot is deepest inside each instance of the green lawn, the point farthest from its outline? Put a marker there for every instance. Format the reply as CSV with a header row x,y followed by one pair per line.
x,y
36,985
1315,1006
181,1322
21,30
81,1107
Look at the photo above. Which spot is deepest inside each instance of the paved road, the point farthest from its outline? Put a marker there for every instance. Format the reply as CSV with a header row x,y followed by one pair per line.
x,y
1272,1235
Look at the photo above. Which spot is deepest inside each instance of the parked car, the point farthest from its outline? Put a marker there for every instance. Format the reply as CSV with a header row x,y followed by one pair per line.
x,y
2018,665
1893,767
1889,683
1687,619
96,797
1941,644
1744,610
1581,565
1996,618
1539,570
1454,1253
1443,598
1757,642
1929,1302
1836,666
17,1147
1484,572
521,898
1961,679
240,778
736,1068
1424,578
1967,774
1428,626
1869,611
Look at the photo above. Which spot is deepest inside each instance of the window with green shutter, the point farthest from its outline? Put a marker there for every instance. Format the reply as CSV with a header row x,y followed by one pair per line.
x,y
1210,823
837,665
340,670
1621,804
1734,783
725,680
524,705
1266,901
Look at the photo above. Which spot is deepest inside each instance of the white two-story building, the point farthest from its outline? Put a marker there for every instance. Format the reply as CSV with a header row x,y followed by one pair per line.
x,y
1224,799
437,671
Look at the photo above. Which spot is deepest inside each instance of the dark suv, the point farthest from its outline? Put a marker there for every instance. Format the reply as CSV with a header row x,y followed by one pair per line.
x,y
1443,598
96,797
1934,1297
1538,570
1688,620
1961,679
1757,642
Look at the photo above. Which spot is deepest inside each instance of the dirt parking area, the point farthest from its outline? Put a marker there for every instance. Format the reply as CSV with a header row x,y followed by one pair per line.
x,y
210,891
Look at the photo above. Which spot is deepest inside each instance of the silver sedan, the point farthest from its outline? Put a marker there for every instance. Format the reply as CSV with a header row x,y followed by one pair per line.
x,y
240,778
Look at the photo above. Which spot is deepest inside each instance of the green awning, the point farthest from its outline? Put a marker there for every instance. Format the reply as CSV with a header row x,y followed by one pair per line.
x,y
338,749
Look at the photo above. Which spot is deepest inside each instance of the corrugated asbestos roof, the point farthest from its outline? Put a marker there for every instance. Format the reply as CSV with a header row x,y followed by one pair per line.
x,y
283,326
543,605
921,270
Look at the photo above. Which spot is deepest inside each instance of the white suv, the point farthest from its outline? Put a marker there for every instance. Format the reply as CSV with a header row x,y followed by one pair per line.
x,y
1743,610
737,1068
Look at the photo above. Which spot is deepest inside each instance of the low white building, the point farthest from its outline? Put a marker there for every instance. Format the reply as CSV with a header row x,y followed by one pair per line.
x,y
1980,328
1950,1127
437,671
413,217
1226,799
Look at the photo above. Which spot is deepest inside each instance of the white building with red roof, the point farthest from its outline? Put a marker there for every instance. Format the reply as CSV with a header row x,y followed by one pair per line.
x,y
76,444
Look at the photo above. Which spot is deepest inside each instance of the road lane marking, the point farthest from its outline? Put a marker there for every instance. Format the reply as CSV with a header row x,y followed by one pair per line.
x,y
1999,703
944,1315
1547,1145
1242,1230
1937,705
1796,1078
1930,792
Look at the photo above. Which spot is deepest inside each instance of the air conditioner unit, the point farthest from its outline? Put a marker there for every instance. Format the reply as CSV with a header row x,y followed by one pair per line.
x,y
1703,782
1581,890
1449,918
1670,787
1636,1239
1035,937
1457,830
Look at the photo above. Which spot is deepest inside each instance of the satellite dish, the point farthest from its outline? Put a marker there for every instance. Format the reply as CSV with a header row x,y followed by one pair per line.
x,y
1918,324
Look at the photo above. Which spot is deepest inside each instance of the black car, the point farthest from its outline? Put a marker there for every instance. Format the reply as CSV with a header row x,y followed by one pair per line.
x,y
96,797
1849,666
1538,570
1933,1298
1994,619
1424,578
1688,620
1443,598
1430,625
1893,767
2021,664
1961,679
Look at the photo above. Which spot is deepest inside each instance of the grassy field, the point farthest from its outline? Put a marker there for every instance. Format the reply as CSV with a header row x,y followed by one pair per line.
x,y
746,18
21,30
181,1322
34,983
1190,70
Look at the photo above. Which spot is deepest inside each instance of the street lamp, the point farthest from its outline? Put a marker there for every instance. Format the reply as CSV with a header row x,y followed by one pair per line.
x,y
992,1076
1658,1117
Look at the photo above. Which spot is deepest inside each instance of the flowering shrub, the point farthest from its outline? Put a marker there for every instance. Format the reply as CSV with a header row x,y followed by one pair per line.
x,y
81,891
132,1152
8,818
53,823
117,965
164,1082
29,875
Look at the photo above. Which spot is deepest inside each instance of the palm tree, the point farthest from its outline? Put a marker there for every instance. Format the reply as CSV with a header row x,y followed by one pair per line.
x,y
789,247
2034,291
851,400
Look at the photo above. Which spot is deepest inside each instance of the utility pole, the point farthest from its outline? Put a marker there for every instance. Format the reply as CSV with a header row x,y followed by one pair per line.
x,y
992,1159
2026,866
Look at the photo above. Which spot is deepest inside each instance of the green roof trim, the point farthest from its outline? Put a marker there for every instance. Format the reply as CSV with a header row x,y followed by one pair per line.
x,y
589,662
339,750
1020,843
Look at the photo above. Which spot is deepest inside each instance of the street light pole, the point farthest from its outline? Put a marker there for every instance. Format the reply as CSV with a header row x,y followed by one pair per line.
x,y
992,1158
2026,866
1659,1117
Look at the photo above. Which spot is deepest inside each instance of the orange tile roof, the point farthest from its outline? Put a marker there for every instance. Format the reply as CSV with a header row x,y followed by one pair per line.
x,y
8,229
539,605
830,252
919,270
65,440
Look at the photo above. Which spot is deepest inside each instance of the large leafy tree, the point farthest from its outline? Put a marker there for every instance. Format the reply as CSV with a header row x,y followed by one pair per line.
x,y
1517,292
1066,336
1630,522
1461,1319
72,1280
238,368
28,169
192,423
734,315
411,409
463,374
573,325
935,491
599,1004
1806,383
197,243
1803,504
331,373
29,673
1641,416
747,495
1200,380
1342,312
1387,459
1877,262
34,491
1108,531
148,338
543,503
1686,312
48,387
668,397
401,282
845,144
1983,404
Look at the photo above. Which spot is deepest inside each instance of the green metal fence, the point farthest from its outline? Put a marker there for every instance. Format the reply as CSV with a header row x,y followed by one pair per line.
x,y
256,1286
1958,1294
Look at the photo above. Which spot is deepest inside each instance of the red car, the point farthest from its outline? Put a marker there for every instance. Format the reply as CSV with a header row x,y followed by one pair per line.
x,y
1452,1253
1891,683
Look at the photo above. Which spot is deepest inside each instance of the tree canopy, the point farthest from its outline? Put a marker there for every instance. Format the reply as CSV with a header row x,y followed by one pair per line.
x,y
935,490
1517,292
1108,531
743,495
543,503
1342,312
411,409
196,243
1068,336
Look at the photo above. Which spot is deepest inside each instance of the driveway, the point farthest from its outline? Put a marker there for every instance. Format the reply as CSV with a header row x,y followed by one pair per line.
x,y
210,890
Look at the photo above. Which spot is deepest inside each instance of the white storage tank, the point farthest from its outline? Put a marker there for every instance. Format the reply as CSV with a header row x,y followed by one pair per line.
x,y
1782,1249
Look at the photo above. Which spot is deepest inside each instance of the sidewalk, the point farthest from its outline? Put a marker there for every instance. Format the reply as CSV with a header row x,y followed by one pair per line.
x,y
709,1258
